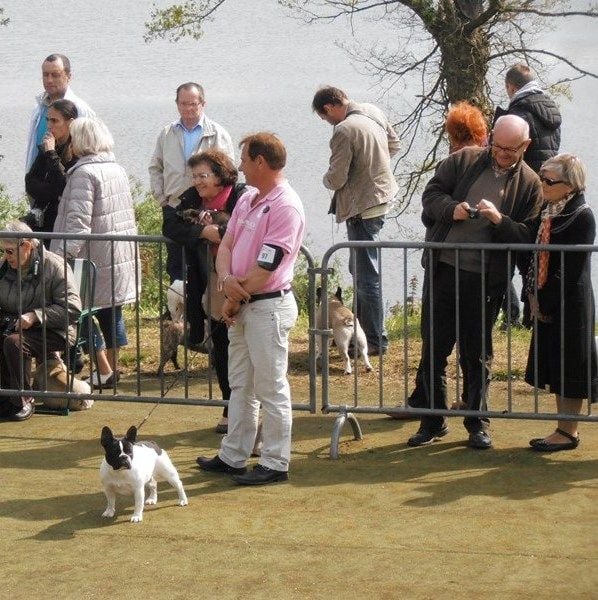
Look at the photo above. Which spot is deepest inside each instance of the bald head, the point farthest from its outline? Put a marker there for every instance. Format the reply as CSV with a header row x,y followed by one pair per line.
x,y
510,139
512,125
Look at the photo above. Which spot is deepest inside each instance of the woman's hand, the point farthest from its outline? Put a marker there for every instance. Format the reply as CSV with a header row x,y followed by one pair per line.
x,y
489,211
48,142
211,233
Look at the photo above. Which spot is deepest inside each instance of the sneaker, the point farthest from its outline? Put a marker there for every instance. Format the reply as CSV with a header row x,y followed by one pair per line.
x,y
102,381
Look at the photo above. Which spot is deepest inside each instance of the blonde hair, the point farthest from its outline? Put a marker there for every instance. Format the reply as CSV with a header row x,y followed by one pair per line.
x,y
569,168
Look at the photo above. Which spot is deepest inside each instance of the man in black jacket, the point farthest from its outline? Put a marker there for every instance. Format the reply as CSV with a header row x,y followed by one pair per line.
x,y
463,290
528,101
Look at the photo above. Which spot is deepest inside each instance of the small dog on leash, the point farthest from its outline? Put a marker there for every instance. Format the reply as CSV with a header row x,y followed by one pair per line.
x,y
129,466
343,324
173,329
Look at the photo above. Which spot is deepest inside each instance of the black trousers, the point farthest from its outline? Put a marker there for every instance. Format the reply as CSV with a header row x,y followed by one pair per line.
x,y
32,347
219,333
472,321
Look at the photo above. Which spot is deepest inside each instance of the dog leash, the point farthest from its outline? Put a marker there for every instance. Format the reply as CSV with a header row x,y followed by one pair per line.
x,y
177,376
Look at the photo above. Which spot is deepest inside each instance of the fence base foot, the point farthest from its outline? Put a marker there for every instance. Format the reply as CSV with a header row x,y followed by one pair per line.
x,y
339,423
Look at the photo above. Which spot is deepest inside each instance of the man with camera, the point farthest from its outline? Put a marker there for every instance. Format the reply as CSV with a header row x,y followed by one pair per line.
x,y
463,289
39,306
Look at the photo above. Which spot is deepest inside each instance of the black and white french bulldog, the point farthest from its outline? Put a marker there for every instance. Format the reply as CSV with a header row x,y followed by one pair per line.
x,y
129,466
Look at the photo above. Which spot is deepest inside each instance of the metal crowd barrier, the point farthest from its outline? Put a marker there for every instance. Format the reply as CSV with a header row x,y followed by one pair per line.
x,y
344,396
346,399
195,384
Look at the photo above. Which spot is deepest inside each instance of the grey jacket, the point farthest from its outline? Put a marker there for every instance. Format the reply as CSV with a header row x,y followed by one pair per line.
x,y
359,170
97,199
169,174
44,285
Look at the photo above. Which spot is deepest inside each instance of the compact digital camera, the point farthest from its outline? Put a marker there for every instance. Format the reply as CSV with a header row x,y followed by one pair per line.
x,y
474,213
7,324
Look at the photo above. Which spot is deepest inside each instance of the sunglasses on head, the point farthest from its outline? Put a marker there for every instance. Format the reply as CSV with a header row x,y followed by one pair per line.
x,y
550,182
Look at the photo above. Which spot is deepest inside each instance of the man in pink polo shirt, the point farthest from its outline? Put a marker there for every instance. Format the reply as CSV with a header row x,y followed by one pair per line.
x,y
255,269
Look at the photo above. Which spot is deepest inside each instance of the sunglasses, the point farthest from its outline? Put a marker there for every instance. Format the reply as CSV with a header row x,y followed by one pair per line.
x,y
550,182
10,251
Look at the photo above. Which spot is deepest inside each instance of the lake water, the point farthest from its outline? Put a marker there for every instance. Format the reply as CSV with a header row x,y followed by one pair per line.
x,y
260,69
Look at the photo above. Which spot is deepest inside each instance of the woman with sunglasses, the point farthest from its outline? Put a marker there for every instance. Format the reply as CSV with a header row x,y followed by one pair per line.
x,y
46,179
559,295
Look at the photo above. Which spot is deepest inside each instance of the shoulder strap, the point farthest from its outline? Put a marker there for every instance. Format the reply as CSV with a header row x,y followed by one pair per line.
x,y
359,112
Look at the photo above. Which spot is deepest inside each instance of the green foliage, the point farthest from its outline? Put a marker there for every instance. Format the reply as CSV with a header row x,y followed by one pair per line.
x,y
10,210
404,321
148,215
180,20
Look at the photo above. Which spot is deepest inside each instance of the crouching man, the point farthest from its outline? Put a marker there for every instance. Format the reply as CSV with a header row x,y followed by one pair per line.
x,y
39,306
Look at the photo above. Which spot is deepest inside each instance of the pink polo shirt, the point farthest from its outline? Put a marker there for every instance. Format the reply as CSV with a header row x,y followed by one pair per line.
x,y
276,219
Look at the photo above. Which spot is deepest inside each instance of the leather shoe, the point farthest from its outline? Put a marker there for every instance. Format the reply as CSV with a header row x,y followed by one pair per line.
x,y
260,476
480,440
217,465
425,436
25,412
543,445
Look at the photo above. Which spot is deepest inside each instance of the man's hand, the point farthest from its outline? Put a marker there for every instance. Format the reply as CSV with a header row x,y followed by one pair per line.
x,y
489,211
461,211
229,309
233,288
26,321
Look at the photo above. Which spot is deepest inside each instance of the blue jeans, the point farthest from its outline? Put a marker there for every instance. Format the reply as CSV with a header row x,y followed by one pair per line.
x,y
370,311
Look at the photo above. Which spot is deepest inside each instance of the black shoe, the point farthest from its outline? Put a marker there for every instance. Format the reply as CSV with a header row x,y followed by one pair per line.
x,y
542,445
217,465
25,413
479,440
425,436
260,476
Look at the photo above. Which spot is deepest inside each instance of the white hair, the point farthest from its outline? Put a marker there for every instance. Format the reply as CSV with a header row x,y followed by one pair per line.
x,y
16,226
90,136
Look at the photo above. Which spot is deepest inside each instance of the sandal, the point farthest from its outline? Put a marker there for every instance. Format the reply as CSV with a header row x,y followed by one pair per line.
x,y
541,445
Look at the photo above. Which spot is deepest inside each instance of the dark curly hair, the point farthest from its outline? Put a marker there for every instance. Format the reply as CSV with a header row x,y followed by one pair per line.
x,y
220,164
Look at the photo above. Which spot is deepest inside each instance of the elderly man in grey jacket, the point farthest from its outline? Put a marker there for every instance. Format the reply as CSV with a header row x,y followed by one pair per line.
x,y
39,307
363,183
169,173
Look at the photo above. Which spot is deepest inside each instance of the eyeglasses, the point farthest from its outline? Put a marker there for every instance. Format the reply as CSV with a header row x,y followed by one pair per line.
x,y
550,182
496,146
201,176
10,251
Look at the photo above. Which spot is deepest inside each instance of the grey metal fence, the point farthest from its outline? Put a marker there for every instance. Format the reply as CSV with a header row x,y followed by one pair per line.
x,y
384,391
387,391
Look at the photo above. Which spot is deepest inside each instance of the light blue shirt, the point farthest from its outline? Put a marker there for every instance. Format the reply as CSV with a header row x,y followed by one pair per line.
x,y
191,138
42,127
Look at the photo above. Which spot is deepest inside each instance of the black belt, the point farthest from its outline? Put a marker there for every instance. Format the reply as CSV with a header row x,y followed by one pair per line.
x,y
267,295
